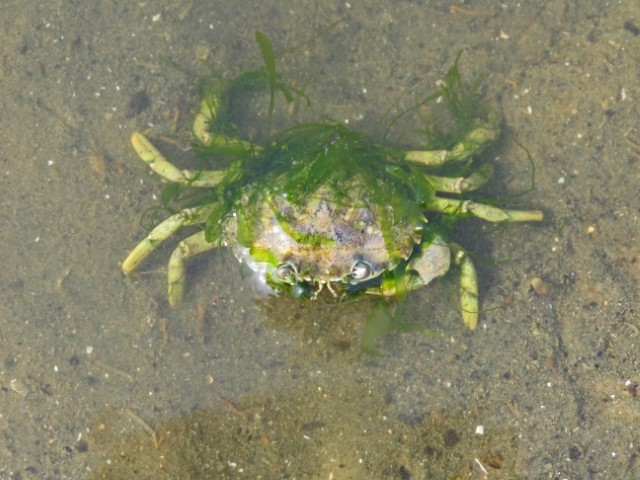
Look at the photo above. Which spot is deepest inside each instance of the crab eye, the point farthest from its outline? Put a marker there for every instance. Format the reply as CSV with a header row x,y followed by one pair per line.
x,y
361,271
287,273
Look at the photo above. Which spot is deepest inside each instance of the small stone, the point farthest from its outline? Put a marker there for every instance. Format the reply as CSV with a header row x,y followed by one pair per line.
x,y
539,286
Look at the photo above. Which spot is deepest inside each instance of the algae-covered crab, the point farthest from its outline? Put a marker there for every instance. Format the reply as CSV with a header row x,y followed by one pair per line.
x,y
319,205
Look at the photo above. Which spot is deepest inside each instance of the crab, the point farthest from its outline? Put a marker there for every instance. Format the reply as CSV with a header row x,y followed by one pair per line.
x,y
321,206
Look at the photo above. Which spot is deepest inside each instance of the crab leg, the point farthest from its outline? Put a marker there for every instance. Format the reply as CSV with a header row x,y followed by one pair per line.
x,y
472,144
207,112
434,261
188,247
159,164
474,181
163,231
468,290
490,213
202,126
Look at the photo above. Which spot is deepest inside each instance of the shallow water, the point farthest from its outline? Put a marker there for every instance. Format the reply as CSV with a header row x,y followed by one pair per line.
x,y
100,379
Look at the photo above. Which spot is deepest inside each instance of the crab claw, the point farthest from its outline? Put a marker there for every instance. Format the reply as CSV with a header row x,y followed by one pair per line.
x,y
434,261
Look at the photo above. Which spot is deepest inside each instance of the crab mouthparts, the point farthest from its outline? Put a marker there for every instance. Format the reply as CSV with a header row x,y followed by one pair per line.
x,y
321,285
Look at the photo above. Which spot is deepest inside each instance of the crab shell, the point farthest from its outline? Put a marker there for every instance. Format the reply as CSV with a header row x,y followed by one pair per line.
x,y
322,242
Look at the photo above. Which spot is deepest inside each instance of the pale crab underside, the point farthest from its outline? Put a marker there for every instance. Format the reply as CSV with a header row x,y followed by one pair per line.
x,y
355,252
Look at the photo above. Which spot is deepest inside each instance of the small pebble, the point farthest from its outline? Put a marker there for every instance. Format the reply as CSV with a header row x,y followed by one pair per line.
x,y
539,286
